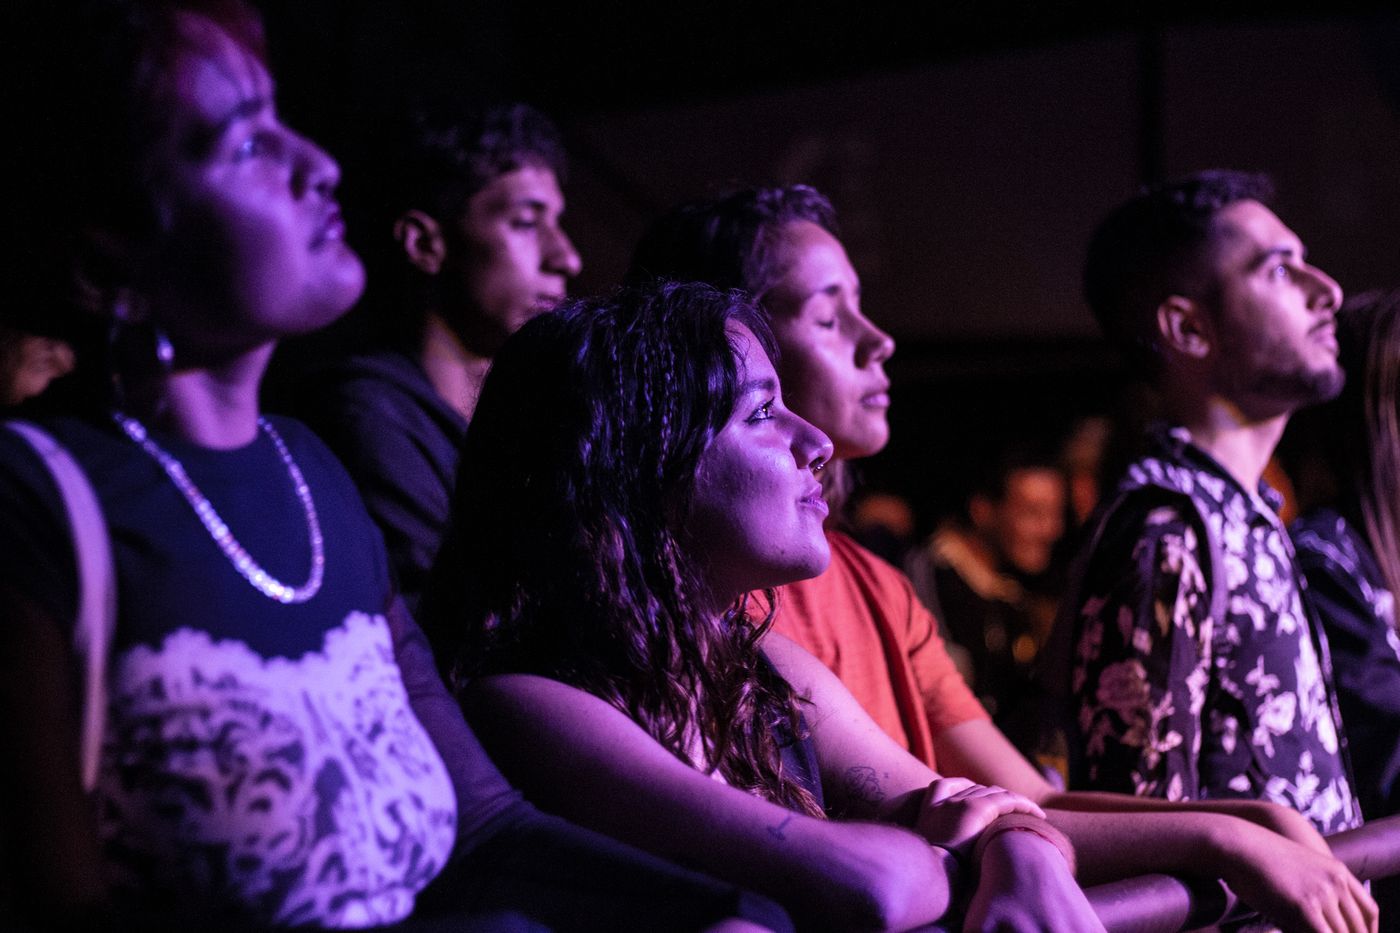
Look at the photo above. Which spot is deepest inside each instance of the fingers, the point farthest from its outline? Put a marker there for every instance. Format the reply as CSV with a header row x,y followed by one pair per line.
x,y
1367,913
1345,906
1353,910
940,789
1003,800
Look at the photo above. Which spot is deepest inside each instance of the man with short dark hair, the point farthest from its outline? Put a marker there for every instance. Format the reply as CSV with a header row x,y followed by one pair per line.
x,y
985,575
471,196
1196,671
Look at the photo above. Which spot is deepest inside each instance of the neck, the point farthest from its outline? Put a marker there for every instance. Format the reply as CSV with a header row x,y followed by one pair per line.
x,y
1238,443
214,406
456,373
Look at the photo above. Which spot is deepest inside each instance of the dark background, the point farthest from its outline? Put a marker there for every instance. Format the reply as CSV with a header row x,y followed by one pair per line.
x,y
969,148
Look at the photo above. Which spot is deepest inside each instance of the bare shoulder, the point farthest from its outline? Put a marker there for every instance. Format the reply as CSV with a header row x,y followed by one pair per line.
x,y
808,676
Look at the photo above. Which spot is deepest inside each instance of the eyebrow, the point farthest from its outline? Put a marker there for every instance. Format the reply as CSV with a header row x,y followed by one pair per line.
x,y
245,108
758,385
1280,252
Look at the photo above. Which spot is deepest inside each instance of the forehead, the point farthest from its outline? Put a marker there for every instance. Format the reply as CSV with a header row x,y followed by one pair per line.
x,y
1245,229
527,185
1034,483
753,363
801,243
211,75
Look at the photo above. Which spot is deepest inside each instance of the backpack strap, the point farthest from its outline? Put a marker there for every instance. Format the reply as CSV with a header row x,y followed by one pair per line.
x,y
97,591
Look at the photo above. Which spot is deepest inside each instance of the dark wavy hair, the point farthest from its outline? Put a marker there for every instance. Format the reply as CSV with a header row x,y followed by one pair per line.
x,y
1158,244
1362,426
728,241
566,556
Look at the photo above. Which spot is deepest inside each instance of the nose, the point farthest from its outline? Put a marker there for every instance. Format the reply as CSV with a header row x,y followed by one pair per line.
x,y
560,256
811,448
1326,294
313,168
873,345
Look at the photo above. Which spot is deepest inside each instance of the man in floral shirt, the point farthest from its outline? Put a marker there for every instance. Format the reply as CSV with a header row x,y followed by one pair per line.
x,y
1196,672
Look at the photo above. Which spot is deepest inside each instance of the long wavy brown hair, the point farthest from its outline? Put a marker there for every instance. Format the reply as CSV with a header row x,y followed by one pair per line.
x,y
567,555
1368,330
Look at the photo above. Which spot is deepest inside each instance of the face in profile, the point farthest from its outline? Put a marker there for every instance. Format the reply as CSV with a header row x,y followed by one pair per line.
x,y
757,509
833,357
1275,315
511,258
251,242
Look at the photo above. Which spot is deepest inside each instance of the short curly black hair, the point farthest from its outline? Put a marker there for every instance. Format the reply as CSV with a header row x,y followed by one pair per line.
x,y
1154,245
448,151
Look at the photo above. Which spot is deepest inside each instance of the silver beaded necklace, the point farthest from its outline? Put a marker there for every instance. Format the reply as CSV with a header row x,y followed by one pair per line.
x,y
242,561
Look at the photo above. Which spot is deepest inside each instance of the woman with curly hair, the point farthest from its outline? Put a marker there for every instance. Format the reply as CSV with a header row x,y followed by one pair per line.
x,y
630,474
862,619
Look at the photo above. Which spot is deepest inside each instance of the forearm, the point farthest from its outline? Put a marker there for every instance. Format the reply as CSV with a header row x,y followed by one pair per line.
x,y
1121,843
1270,816
580,758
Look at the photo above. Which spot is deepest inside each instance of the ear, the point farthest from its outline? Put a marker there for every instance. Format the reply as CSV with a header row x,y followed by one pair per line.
x,y
420,237
1184,326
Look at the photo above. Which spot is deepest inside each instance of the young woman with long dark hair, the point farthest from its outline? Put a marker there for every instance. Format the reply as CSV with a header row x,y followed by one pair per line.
x,y
861,617
630,474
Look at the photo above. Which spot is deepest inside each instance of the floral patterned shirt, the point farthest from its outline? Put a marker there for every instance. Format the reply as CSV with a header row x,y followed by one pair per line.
x,y
1173,702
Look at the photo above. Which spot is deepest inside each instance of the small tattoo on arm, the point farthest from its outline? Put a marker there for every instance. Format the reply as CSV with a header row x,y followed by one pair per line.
x,y
863,785
777,831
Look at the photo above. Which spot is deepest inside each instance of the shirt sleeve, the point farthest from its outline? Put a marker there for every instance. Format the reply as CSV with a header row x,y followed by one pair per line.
x,y
371,432
1142,657
948,700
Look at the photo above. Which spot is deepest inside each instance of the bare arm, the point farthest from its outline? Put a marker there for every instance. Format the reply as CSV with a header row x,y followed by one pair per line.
x,y
1118,835
577,756
50,840
1025,882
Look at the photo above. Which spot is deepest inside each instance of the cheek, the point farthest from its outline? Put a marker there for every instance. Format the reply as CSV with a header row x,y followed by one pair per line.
x,y
813,391
500,277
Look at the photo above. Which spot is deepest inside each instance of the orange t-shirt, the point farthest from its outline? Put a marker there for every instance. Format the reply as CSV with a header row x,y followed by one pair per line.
x,y
862,620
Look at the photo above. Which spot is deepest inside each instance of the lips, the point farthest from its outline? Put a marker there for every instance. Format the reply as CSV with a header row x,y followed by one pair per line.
x,y
814,500
1326,334
331,228
880,398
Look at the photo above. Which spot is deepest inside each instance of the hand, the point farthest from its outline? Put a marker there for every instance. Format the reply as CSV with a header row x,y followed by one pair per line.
x,y
1295,887
1025,886
955,811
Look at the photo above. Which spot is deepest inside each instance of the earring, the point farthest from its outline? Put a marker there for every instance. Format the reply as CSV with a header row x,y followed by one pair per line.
x,y
138,349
